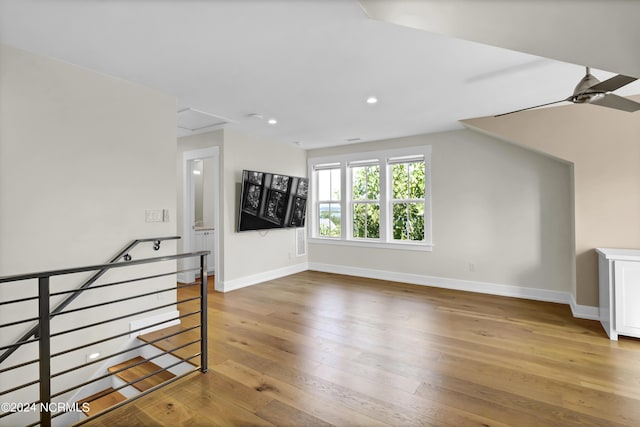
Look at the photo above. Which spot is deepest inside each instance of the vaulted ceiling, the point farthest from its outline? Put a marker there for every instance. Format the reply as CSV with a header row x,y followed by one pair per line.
x,y
312,64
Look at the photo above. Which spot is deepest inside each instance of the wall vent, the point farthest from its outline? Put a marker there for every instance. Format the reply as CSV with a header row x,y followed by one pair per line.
x,y
194,120
301,242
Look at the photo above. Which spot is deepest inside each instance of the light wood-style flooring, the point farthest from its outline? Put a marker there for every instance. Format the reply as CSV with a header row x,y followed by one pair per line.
x,y
322,349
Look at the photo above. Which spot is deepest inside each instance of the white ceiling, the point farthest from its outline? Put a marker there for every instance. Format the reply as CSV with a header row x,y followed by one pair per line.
x,y
310,64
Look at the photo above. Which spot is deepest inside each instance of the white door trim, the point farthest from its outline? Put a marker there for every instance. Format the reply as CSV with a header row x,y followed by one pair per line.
x,y
187,211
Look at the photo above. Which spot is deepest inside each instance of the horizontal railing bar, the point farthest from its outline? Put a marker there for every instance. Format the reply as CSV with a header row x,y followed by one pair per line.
x,y
13,301
131,399
94,342
20,365
86,284
153,239
115,301
126,281
187,285
120,317
107,266
123,334
66,371
5,325
11,390
60,393
19,343
137,380
106,285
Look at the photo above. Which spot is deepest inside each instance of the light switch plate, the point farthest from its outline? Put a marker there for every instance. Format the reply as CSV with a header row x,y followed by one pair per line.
x,y
154,215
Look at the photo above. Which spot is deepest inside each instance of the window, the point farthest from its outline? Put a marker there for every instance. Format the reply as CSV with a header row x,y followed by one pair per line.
x,y
378,199
365,204
328,201
407,200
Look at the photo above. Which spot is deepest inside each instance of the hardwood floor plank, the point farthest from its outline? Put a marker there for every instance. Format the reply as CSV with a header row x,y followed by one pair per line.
x,y
281,414
317,348
330,411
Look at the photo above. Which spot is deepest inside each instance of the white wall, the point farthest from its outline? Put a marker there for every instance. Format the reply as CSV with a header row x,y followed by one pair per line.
x,y
603,145
82,156
251,255
502,208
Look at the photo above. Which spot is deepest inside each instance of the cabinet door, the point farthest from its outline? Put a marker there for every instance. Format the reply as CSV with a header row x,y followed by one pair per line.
x,y
627,290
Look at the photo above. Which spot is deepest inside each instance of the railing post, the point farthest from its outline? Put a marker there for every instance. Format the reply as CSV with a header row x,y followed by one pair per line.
x,y
44,351
204,360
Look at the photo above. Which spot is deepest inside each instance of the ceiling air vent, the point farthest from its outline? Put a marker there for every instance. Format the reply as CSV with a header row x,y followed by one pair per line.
x,y
194,120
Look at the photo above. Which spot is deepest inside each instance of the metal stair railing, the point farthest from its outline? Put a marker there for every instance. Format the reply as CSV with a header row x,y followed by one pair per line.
x,y
124,254
48,409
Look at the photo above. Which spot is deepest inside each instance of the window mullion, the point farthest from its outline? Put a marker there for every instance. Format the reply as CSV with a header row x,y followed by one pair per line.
x,y
384,197
315,203
346,203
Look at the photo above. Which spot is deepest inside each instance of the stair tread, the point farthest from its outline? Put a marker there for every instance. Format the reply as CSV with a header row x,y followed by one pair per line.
x,y
106,400
171,343
139,371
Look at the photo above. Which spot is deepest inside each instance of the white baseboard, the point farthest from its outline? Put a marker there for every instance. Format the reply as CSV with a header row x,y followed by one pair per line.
x,y
578,311
585,312
191,276
232,285
184,278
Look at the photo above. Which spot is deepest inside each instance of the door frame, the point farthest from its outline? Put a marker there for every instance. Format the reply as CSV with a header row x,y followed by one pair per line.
x,y
188,196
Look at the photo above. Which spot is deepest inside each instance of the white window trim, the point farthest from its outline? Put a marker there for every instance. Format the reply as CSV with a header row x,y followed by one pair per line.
x,y
353,159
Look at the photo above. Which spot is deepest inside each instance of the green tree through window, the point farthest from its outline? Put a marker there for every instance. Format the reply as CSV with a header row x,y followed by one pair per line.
x,y
366,201
408,200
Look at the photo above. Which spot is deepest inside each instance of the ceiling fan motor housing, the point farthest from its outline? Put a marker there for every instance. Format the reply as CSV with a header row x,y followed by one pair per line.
x,y
581,93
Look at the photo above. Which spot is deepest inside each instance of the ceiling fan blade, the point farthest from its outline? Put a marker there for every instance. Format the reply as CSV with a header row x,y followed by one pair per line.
x,y
611,84
618,102
531,108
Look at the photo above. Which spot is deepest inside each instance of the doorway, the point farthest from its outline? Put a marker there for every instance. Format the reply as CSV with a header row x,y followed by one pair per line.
x,y
201,209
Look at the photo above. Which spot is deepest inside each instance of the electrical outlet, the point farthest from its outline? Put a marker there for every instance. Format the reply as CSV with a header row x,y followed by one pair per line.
x,y
472,267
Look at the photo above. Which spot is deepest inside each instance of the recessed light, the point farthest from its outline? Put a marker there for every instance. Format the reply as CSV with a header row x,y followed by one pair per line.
x,y
272,121
372,100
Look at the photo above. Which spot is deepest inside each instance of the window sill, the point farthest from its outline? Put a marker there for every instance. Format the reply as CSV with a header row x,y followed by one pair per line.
x,y
424,247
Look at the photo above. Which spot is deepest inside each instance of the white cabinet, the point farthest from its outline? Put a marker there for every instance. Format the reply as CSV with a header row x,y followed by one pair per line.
x,y
619,282
205,241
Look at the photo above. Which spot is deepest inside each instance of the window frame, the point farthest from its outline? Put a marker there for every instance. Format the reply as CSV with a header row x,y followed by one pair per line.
x,y
365,201
385,159
330,201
